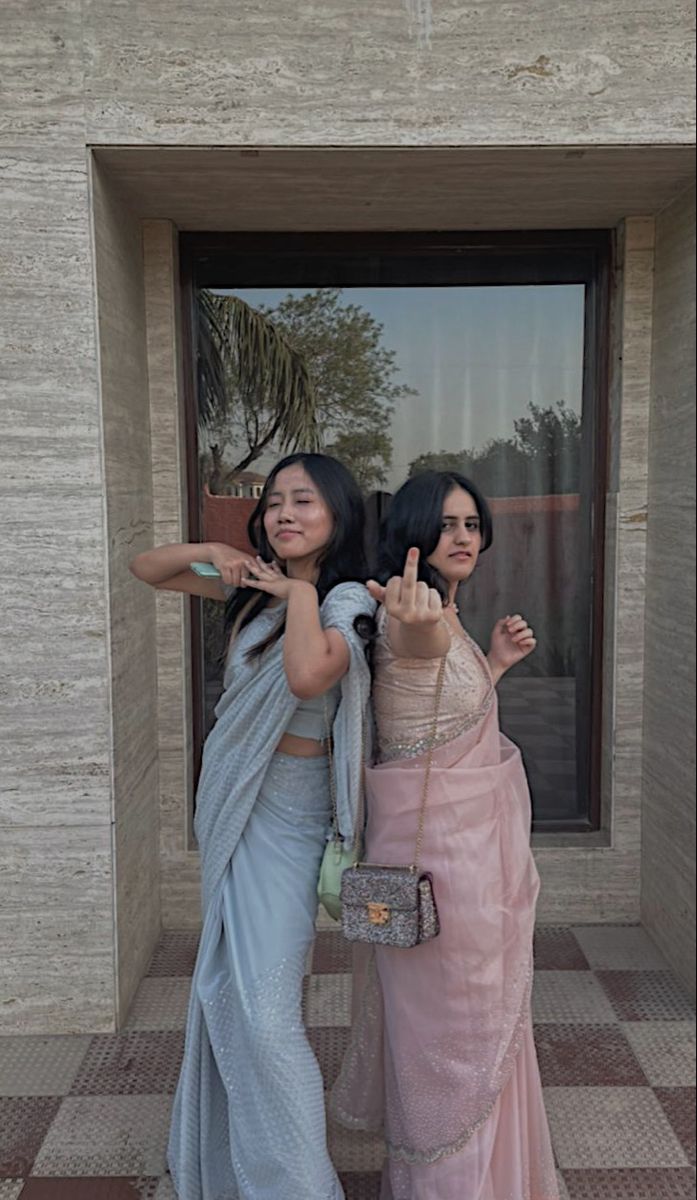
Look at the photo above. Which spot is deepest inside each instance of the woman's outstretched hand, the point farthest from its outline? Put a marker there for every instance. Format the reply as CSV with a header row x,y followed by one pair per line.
x,y
407,598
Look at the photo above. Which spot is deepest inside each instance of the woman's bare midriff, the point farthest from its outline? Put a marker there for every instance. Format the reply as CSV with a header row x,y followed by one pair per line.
x,y
301,747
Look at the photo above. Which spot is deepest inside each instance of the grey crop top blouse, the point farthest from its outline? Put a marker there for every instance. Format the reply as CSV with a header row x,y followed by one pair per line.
x,y
310,720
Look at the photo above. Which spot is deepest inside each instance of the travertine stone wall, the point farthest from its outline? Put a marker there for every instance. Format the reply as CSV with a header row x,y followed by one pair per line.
x,y
179,860
81,739
668,815
56,858
133,680
526,72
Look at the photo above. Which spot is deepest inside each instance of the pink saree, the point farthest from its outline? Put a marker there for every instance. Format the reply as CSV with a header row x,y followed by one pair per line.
x,y
442,1058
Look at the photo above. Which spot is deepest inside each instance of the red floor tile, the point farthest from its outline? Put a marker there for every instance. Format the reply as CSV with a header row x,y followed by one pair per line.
x,y
130,1064
647,996
361,1186
586,1056
331,954
175,953
329,1043
556,949
24,1123
677,1184
679,1106
86,1188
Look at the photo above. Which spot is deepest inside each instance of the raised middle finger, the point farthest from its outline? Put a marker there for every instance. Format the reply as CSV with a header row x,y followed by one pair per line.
x,y
410,577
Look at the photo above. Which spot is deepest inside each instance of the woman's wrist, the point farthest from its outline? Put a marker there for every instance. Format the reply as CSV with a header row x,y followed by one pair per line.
x,y
303,591
495,667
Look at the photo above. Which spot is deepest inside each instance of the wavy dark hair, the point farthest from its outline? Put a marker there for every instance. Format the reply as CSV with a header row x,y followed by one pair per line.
x,y
415,518
343,559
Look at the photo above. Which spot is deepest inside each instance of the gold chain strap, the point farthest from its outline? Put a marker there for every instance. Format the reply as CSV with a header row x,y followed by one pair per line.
x,y
429,764
427,773
330,760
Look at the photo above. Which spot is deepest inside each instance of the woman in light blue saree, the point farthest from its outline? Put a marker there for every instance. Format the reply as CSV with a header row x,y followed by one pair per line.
x,y
249,1118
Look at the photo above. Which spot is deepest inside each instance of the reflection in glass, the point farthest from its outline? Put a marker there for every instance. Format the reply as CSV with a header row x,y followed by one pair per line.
x,y
483,380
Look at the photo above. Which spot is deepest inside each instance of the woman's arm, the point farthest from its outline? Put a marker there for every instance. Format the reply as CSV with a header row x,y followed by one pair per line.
x,y
512,640
168,568
314,658
414,612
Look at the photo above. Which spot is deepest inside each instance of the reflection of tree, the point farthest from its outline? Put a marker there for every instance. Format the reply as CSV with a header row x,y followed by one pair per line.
x,y
349,376
249,374
542,458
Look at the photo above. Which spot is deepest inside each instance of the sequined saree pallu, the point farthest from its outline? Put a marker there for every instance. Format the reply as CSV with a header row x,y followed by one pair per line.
x,y
442,1057
248,1120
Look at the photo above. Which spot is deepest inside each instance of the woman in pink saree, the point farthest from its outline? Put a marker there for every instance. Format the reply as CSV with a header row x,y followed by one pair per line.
x,y
442,1057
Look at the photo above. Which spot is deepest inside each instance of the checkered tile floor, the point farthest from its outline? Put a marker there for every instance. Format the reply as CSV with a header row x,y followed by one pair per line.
x,y
85,1118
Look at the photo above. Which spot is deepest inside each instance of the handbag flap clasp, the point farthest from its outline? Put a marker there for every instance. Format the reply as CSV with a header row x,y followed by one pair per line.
x,y
378,914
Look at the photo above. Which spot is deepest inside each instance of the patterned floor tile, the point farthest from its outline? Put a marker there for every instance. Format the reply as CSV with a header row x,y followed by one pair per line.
x,y
570,997
175,953
40,1066
355,1152
107,1135
165,1189
147,1187
328,1000
647,996
586,1056
332,953
666,1051
563,1190
365,1186
324,921
615,1138
24,1123
679,1106
610,1127
160,1003
89,1189
128,1063
676,1184
10,1188
329,1044
556,949
619,948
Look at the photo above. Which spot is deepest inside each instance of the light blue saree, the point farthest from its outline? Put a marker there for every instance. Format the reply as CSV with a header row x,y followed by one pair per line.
x,y
249,1119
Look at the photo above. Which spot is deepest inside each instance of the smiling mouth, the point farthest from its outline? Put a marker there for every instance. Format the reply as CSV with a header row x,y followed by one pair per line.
x,y
462,554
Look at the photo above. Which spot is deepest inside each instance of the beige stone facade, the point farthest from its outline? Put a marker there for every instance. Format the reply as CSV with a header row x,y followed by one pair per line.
x,y
123,124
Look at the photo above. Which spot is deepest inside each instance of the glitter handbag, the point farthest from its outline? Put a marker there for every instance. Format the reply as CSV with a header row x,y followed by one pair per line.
x,y
393,905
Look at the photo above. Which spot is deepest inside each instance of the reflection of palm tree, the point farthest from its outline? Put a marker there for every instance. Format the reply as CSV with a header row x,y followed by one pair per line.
x,y
247,369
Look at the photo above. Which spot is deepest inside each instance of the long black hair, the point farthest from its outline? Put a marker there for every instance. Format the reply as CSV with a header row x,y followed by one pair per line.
x,y
415,518
343,558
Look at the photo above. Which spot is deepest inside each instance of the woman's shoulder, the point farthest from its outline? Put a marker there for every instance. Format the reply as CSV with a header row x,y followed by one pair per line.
x,y
350,594
344,604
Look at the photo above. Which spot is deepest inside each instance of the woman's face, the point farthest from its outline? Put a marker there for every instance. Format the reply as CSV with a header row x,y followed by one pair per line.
x,y
297,520
456,554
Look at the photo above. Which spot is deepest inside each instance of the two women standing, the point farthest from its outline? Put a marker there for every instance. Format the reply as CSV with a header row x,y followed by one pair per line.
x,y
442,1057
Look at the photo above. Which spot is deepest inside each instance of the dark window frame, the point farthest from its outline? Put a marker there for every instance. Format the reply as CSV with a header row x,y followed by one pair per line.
x,y
454,259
